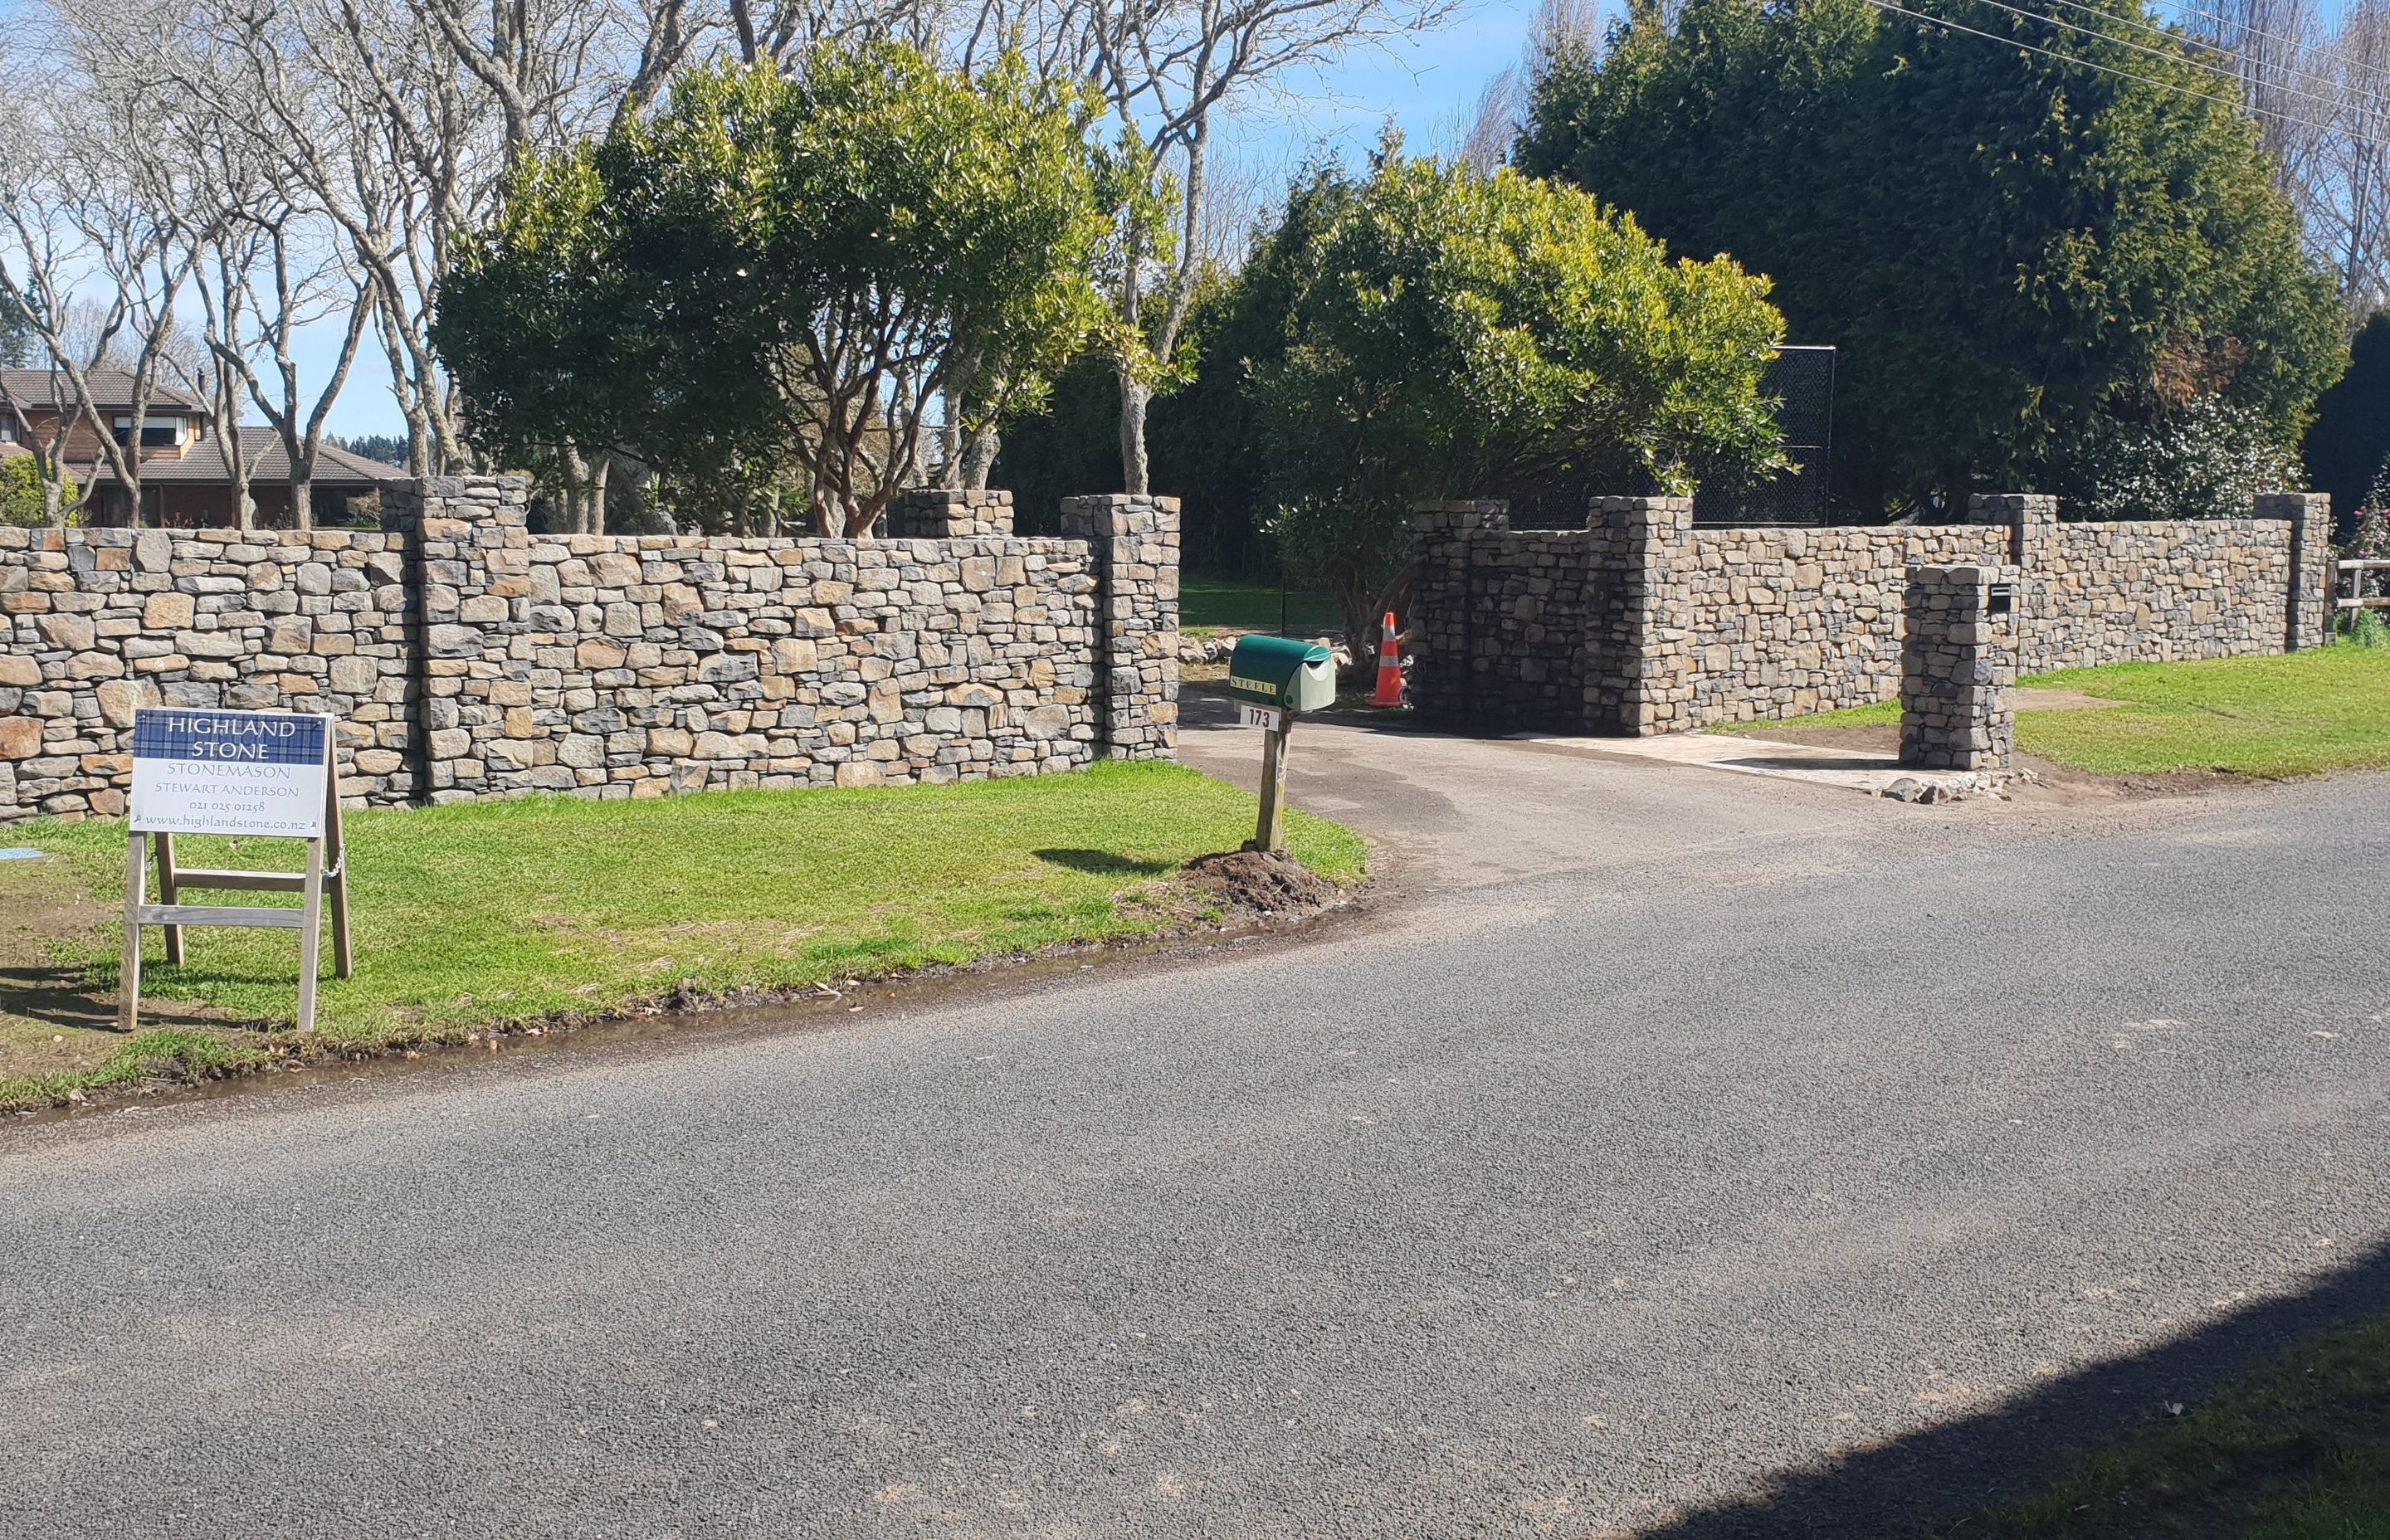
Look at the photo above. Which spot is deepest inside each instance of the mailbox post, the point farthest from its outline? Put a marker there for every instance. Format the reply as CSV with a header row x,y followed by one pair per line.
x,y
1275,680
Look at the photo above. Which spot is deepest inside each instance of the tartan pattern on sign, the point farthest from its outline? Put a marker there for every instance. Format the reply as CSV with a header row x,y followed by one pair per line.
x,y
165,732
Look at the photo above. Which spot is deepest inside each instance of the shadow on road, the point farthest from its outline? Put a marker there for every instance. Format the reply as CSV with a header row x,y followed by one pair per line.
x,y
1941,1476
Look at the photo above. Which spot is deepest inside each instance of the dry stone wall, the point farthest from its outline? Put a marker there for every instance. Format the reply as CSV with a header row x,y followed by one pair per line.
x,y
1519,652
1641,623
1784,622
465,657
96,623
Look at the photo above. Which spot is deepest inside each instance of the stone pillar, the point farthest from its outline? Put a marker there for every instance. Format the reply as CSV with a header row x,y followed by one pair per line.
x,y
2310,605
2030,518
1135,548
472,566
931,513
1444,599
1957,662
1638,684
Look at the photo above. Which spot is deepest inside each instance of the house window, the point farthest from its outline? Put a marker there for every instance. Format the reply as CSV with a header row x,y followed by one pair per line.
x,y
156,432
7,428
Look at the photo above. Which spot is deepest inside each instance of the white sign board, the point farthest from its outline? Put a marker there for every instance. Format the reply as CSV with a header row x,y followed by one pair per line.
x,y
211,772
1270,717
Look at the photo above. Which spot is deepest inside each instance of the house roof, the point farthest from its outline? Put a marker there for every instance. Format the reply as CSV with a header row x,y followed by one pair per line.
x,y
110,388
202,464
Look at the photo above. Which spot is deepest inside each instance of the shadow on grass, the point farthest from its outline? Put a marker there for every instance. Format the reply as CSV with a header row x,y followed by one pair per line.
x,y
1933,1482
60,998
1101,863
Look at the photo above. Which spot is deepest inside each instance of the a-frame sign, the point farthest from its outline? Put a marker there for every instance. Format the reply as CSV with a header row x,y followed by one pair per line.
x,y
248,774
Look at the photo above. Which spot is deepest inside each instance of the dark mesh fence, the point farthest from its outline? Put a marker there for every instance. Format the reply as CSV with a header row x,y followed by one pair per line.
x,y
1803,379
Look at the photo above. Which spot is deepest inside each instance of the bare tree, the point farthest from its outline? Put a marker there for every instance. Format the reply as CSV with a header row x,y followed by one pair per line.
x,y
2320,91
1170,69
96,216
1494,126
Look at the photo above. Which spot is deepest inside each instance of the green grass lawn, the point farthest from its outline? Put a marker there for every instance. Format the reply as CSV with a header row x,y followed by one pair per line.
x,y
2299,1451
2303,714
1213,604
509,912
2307,714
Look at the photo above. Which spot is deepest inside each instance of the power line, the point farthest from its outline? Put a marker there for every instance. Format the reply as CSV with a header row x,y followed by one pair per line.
x,y
2341,91
2232,101
2170,56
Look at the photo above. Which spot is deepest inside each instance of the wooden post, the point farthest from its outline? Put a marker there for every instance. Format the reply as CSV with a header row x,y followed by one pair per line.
x,y
128,974
338,856
169,891
311,935
1271,835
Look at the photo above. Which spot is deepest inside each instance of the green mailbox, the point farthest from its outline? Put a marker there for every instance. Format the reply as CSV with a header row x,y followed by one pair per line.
x,y
1274,671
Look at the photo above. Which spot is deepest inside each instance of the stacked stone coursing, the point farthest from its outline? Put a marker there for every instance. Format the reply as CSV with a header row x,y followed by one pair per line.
x,y
1788,622
95,623
465,657
1958,664
945,514
1639,679
1138,609
1642,623
1466,620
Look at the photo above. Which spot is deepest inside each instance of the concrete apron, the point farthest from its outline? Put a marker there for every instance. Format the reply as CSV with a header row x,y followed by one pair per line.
x,y
1853,769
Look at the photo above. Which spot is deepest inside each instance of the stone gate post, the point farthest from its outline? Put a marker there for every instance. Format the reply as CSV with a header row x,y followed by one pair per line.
x,y
2312,592
1957,662
1136,540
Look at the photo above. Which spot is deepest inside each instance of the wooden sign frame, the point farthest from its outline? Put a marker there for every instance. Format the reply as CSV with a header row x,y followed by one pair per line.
x,y
326,873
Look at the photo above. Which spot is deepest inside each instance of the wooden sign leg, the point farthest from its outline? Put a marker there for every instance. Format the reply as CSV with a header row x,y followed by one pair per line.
x,y
128,973
310,937
338,877
169,891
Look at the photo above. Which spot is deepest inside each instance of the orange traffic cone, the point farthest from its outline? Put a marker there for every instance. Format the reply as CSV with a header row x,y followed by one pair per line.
x,y
1389,668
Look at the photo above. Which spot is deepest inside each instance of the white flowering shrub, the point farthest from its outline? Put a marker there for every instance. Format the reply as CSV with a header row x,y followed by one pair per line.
x,y
2203,462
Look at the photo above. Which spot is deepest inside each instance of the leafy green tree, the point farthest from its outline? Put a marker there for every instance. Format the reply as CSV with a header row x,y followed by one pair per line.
x,y
1203,432
770,280
22,501
2018,254
1455,335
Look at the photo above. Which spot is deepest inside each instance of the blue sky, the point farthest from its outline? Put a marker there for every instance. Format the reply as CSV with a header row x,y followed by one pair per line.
x,y
1426,84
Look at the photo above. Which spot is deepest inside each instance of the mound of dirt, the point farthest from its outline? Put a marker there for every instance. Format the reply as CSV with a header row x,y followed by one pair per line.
x,y
1264,883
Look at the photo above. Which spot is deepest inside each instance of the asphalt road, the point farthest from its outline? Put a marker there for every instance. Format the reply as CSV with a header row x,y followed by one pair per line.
x,y
1679,1137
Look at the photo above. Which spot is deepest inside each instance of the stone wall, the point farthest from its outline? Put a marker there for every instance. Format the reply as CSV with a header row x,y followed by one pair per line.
x,y
95,623
1520,651
1787,621
1642,623
465,657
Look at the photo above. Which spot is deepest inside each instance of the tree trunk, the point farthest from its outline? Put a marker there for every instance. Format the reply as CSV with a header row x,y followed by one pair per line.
x,y
1135,393
950,438
979,458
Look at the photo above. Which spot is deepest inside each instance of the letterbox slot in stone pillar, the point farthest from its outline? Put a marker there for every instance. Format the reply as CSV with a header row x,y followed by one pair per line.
x,y
1958,663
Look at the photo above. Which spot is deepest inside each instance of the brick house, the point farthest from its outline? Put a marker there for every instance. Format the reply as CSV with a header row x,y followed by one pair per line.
x,y
185,483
